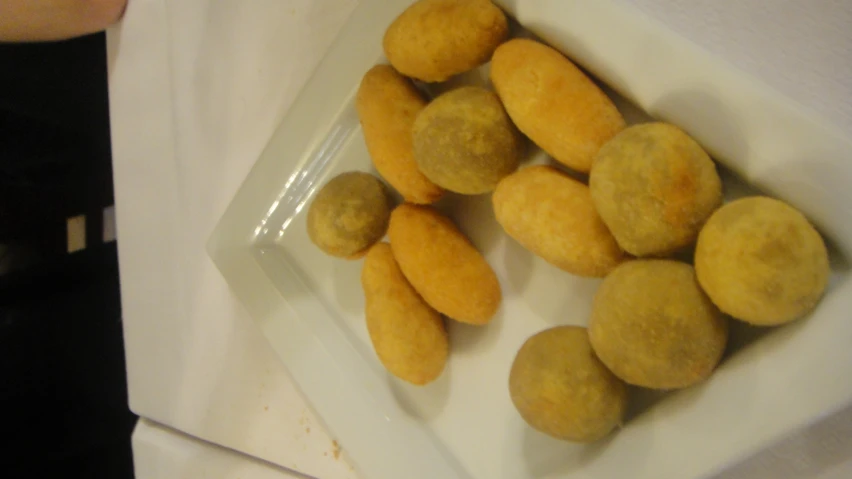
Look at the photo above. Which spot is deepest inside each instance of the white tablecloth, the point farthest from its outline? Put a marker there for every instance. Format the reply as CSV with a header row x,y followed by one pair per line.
x,y
161,453
196,88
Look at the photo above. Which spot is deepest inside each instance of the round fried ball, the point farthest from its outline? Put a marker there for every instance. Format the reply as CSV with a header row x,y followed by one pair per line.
x,y
349,214
654,187
465,142
560,387
761,261
654,327
433,40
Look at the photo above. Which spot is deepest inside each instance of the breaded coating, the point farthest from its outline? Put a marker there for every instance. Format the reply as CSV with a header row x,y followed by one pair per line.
x,y
654,327
442,265
349,214
465,142
552,215
433,40
387,105
761,261
553,102
407,334
654,187
562,389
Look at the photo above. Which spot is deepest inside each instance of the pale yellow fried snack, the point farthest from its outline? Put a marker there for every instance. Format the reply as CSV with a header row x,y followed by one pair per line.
x,y
442,265
761,261
654,187
554,103
465,142
560,387
387,105
654,327
407,334
349,214
433,40
552,215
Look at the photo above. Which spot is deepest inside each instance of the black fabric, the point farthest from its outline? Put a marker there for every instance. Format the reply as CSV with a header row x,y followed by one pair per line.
x,y
54,137
63,391
60,83
63,399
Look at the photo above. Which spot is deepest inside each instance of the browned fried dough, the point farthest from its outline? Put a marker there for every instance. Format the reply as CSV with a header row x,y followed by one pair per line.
x,y
442,265
761,261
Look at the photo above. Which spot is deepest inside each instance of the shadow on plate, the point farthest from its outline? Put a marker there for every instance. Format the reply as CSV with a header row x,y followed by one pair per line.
x,y
479,77
644,401
518,263
549,457
650,406
552,294
471,339
746,344
346,281
474,216
422,402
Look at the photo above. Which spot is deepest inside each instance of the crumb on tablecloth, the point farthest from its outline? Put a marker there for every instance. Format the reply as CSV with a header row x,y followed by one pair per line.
x,y
336,449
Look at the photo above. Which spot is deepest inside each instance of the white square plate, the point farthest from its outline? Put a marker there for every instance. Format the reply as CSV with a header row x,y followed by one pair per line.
x,y
310,306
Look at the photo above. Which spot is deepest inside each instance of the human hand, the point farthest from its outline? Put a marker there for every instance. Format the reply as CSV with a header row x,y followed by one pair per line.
x,y
46,20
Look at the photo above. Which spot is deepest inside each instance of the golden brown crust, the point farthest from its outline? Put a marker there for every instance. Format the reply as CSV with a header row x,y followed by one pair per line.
x,y
387,105
654,327
560,388
433,40
358,255
349,214
554,103
407,334
552,215
761,261
654,187
442,265
465,142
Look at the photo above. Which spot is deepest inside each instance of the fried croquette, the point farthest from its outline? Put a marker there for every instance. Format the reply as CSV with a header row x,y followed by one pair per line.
x,y
654,327
761,261
554,103
433,40
407,334
562,389
442,265
654,187
465,142
387,105
349,214
552,215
